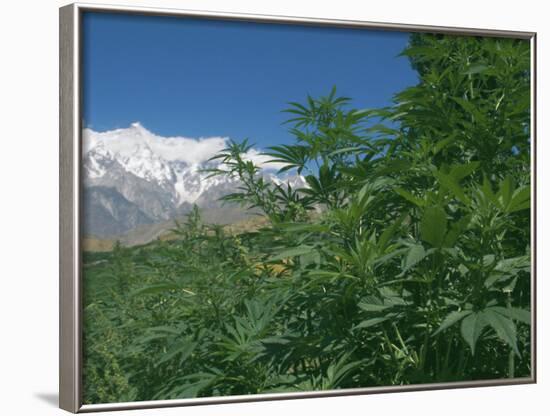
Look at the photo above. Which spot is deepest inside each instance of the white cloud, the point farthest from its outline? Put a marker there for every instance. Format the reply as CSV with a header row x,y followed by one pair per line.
x,y
126,141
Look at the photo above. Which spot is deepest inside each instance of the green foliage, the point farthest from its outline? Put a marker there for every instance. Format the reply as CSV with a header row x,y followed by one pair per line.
x,y
404,260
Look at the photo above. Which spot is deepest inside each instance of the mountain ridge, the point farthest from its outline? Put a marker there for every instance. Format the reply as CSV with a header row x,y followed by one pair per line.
x,y
134,178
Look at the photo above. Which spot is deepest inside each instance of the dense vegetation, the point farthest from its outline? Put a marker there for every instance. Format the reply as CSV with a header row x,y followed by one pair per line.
x,y
405,260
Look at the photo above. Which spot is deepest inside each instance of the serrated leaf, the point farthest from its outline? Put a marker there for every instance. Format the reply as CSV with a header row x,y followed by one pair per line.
x,y
389,232
185,350
476,69
415,255
441,144
504,327
293,252
505,192
517,314
451,183
521,199
451,319
155,288
471,328
463,170
433,226
371,322
410,197
373,307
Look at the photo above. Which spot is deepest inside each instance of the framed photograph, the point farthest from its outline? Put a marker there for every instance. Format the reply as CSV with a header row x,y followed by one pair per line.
x,y
263,208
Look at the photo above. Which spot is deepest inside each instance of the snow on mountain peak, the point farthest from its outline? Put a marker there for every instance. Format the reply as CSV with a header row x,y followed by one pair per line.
x,y
173,163
124,141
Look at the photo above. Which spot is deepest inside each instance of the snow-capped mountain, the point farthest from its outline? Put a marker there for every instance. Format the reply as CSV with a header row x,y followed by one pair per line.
x,y
133,177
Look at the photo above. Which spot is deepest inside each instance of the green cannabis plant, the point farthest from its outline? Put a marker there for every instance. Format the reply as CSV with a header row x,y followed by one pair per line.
x,y
404,259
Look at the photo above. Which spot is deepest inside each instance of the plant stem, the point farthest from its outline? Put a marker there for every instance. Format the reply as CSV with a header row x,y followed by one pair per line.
x,y
511,355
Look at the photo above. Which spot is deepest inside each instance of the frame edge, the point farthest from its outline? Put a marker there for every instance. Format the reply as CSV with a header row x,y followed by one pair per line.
x,y
300,20
69,374
70,356
534,208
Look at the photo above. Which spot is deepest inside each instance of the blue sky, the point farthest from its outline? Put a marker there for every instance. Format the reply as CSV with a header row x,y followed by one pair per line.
x,y
202,78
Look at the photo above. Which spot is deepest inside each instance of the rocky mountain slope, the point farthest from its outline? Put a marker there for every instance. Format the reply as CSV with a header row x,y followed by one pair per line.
x,y
136,182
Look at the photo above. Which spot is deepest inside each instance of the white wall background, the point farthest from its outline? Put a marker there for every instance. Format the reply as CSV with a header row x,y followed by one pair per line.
x,y
29,208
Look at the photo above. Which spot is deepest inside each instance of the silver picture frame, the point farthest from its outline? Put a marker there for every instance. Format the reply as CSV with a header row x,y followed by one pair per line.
x,y
70,215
